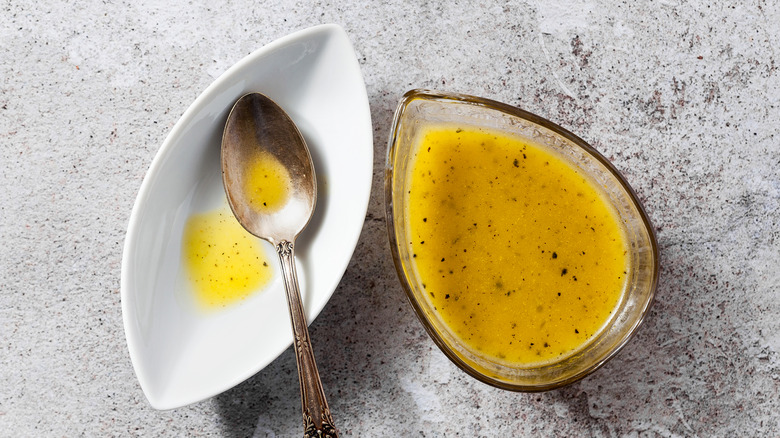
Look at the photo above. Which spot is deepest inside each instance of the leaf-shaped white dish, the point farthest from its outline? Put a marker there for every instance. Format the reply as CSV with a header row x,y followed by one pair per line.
x,y
180,353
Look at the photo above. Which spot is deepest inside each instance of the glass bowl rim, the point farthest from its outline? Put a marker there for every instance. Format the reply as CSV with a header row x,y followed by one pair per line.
x,y
431,95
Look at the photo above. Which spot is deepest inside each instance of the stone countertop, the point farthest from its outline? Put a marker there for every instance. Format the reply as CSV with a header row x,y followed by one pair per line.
x,y
683,97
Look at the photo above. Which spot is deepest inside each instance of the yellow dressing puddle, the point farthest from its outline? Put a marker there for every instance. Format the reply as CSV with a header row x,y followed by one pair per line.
x,y
267,183
224,263
520,254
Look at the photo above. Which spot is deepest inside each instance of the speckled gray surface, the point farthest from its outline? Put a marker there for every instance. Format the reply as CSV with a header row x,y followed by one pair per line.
x,y
682,96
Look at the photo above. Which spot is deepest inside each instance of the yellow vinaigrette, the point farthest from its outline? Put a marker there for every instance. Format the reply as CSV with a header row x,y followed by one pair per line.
x,y
519,253
224,262
267,183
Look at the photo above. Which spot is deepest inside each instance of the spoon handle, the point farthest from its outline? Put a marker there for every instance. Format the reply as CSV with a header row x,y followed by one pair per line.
x,y
316,414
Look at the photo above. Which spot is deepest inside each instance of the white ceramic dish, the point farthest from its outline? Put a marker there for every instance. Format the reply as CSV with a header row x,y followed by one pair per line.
x,y
180,353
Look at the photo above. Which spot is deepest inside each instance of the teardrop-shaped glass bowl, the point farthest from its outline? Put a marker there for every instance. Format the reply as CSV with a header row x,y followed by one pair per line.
x,y
419,110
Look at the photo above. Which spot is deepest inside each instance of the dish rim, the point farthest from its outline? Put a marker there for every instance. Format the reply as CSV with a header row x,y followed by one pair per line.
x,y
490,104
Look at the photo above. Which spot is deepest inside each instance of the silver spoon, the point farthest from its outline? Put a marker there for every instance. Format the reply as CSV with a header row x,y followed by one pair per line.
x,y
258,129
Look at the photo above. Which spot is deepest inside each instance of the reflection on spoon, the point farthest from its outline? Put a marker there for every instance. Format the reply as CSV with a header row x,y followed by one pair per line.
x,y
262,150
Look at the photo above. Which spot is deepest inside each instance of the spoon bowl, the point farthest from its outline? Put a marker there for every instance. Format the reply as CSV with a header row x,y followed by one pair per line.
x,y
258,130
270,184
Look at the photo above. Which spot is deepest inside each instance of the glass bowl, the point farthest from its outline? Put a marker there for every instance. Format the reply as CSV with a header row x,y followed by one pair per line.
x,y
422,109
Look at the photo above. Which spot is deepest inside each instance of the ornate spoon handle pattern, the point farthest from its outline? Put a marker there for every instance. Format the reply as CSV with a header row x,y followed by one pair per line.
x,y
317,420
